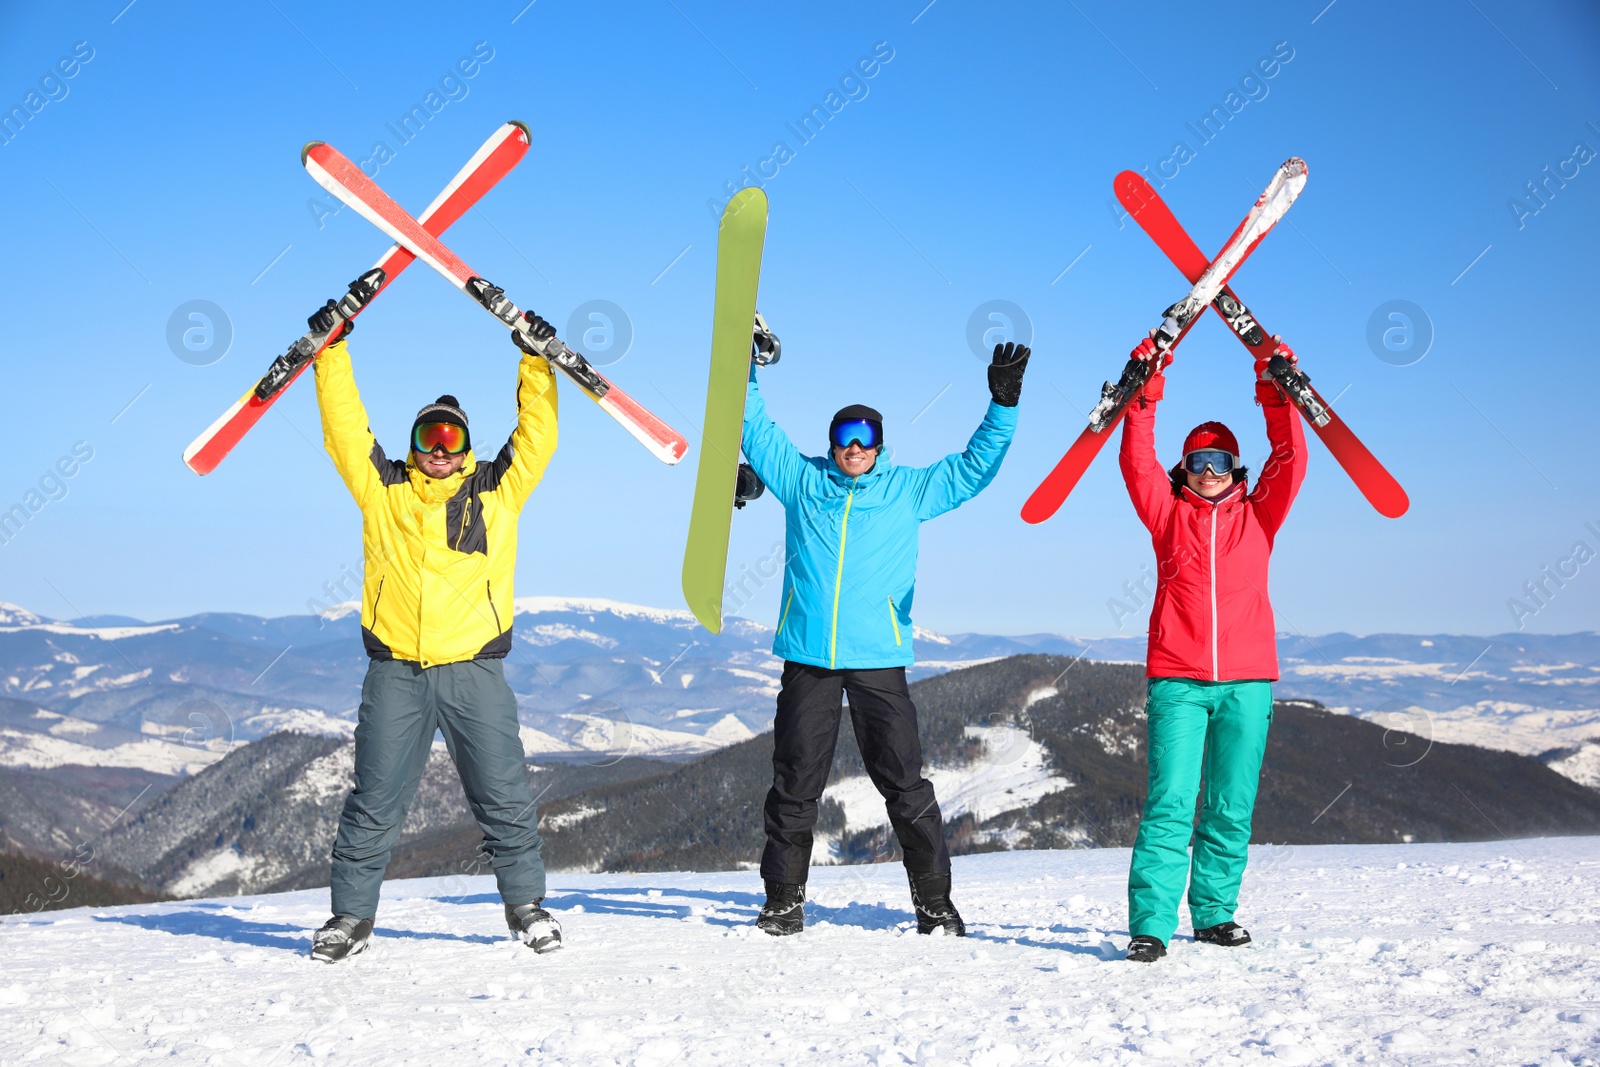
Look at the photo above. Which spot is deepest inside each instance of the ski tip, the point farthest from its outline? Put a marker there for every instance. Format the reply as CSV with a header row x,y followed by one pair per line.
x,y
1395,505
306,151
1033,513
1294,166
527,134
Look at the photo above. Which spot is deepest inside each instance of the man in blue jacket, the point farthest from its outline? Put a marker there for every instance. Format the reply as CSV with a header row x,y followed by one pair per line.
x,y
845,628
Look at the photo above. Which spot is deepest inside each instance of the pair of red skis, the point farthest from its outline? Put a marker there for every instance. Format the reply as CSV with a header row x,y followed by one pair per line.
x,y
1210,279
419,239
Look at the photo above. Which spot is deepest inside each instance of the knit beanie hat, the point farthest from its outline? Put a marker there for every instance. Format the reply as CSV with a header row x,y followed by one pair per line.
x,y
1211,435
853,413
446,409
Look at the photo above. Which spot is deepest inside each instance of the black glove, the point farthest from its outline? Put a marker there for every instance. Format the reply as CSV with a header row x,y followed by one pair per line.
x,y
1005,373
540,330
327,318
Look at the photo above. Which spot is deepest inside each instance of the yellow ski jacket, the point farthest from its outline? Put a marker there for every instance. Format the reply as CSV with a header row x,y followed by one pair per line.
x,y
440,552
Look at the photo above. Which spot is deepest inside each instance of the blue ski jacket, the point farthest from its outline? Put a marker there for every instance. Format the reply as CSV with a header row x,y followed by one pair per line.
x,y
851,543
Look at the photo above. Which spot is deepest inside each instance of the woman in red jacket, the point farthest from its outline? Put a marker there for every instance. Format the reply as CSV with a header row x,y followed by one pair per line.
x,y
1212,657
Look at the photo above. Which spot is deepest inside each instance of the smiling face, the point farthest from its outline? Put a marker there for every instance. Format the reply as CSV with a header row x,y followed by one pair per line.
x,y
1208,484
855,460
438,463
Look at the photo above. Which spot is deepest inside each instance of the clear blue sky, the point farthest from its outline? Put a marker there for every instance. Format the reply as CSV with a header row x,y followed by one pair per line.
x,y
977,166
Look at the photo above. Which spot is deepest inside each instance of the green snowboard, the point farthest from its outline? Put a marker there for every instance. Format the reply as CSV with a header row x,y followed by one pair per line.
x,y
705,558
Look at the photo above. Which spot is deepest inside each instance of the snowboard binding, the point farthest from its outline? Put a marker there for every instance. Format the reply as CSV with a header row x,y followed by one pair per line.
x,y
765,348
305,348
747,486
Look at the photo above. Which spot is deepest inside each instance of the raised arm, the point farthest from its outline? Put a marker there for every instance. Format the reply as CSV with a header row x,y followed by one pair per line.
x,y
522,460
958,478
345,432
776,460
1149,485
1285,468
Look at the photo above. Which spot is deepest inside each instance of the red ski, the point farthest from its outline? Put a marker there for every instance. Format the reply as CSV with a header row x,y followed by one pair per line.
x,y
346,181
1279,195
1147,208
499,154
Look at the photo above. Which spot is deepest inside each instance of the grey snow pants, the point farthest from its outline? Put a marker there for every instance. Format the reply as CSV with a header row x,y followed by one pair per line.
x,y
402,704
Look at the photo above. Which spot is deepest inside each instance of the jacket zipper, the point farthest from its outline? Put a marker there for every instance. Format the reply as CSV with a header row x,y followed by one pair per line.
x,y
893,621
838,578
375,599
488,588
787,604
466,514
1216,675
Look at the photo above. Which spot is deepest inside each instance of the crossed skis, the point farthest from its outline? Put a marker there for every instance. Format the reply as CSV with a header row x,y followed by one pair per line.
x,y
419,239
1210,279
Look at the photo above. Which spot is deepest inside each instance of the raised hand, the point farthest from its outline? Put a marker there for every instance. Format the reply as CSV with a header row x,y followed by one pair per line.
x,y
1005,373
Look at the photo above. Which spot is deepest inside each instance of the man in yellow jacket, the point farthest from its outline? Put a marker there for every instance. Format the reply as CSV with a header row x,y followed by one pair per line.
x,y
439,536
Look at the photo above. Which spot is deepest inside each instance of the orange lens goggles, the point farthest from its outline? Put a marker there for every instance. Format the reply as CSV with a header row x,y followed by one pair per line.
x,y
431,435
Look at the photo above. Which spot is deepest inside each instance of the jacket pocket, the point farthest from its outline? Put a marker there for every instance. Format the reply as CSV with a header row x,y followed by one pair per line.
x,y
488,588
894,620
787,604
377,598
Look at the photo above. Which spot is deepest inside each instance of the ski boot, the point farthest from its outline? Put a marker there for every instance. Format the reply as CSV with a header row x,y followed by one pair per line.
x,y
1145,949
536,927
340,937
930,896
784,913
1230,934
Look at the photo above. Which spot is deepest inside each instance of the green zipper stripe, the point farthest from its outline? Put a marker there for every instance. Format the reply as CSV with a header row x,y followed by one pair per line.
x,y
895,622
787,604
838,581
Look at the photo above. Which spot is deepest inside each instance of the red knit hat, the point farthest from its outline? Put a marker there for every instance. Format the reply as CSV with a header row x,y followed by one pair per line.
x,y
1211,435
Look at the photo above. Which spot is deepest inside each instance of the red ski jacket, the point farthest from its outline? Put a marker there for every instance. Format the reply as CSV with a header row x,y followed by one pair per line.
x,y
1211,620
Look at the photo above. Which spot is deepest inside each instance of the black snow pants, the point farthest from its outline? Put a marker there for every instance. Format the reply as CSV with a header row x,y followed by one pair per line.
x,y
804,734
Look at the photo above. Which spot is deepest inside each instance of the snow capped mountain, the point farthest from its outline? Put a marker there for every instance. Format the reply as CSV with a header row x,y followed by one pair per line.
x,y
597,675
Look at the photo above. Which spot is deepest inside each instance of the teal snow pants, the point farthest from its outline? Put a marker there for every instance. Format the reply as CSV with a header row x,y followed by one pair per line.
x,y
1215,730
402,704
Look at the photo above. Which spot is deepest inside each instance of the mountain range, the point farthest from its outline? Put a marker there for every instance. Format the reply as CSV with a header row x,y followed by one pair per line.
x,y
1026,752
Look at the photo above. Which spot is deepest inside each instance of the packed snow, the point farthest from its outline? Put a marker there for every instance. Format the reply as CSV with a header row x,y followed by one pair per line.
x,y
1392,954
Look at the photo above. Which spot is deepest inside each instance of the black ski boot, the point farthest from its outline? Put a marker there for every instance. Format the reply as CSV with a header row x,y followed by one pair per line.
x,y
1230,934
340,937
785,910
537,927
1145,949
930,895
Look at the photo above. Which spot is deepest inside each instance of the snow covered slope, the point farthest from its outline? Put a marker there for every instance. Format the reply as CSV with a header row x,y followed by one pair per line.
x,y
1384,954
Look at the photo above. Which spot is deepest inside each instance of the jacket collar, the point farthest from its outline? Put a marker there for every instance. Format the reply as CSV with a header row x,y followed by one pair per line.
x,y
1234,492
438,490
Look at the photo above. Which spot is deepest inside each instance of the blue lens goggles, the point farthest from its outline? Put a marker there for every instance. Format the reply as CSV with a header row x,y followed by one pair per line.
x,y
864,432
1219,461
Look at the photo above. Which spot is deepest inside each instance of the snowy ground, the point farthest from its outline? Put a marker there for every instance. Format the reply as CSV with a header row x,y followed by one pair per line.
x,y
1382,954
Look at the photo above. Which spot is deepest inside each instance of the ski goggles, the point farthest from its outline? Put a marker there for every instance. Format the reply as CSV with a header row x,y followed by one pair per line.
x,y
863,432
427,436
1219,461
